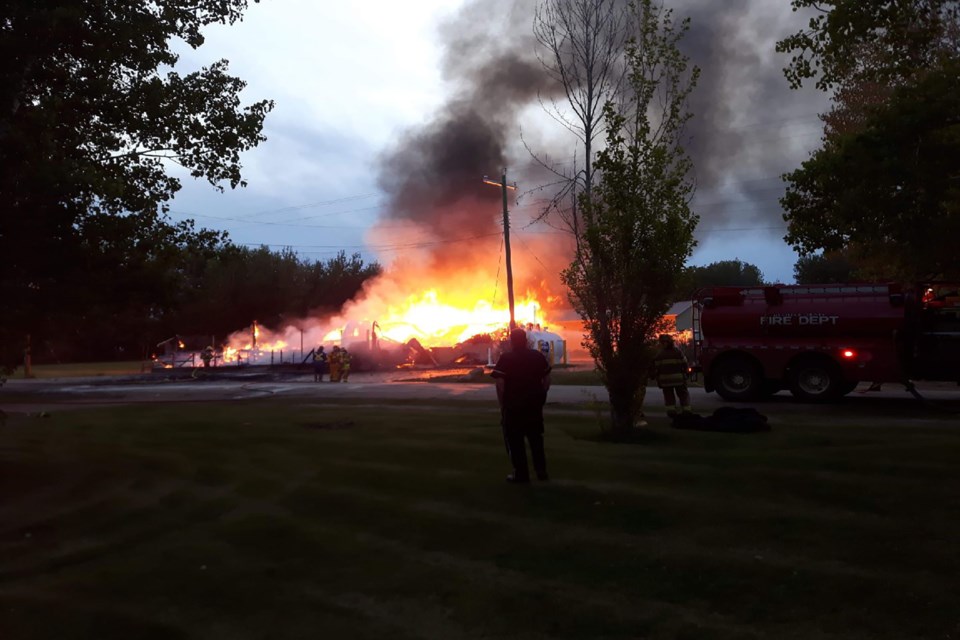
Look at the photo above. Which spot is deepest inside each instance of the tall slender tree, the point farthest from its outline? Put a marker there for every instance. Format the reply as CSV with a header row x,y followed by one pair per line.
x,y
637,230
581,46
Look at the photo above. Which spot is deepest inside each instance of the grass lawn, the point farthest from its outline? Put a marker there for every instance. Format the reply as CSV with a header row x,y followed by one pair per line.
x,y
276,520
82,369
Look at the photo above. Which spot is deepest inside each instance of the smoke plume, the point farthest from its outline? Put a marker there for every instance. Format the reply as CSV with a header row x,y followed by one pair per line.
x,y
748,126
433,174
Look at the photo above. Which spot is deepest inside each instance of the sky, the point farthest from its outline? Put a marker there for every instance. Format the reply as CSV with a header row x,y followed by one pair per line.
x,y
352,82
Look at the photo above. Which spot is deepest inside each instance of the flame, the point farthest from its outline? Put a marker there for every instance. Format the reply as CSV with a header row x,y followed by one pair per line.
x,y
244,346
441,294
433,318
445,322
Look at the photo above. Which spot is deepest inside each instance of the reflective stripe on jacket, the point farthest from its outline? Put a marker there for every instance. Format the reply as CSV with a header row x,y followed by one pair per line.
x,y
670,368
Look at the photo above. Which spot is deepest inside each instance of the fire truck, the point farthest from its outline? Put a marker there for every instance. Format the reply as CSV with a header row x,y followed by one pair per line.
x,y
821,341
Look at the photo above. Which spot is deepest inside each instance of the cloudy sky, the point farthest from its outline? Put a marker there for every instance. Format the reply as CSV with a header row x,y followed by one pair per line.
x,y
351,83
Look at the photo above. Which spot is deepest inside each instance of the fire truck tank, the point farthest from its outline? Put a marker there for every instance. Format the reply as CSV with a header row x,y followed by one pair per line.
x,y
802,312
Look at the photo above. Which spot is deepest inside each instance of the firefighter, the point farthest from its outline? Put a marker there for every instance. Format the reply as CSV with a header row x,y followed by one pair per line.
x,y
344,365
335,365
319,364
206,355
670,372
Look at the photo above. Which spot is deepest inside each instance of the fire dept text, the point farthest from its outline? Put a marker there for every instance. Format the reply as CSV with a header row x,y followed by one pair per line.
x,y
797,319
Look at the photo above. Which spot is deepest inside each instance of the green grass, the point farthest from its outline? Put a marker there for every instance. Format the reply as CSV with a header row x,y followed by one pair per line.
x,y
275,520
82,369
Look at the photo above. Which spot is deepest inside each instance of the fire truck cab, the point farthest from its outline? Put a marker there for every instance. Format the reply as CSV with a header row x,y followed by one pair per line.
x,y
820,341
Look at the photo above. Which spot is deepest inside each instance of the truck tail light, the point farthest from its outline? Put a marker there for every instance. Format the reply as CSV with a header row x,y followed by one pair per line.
x,y
848,354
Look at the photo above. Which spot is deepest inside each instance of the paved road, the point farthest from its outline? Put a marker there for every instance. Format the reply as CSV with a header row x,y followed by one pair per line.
x,y
38,395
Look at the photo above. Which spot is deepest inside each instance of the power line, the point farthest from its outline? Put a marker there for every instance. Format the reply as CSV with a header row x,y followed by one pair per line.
x,y
275,224
385,247
309,205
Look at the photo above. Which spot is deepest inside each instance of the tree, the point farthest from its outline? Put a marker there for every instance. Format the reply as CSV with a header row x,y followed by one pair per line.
x,y
582,43
886,42
132,274
721,273
863,51
867,191
889,192
637,224
828,268
92,114
239,285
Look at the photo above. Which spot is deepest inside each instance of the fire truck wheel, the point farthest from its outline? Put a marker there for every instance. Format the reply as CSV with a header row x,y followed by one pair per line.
x,y
816,380
737,379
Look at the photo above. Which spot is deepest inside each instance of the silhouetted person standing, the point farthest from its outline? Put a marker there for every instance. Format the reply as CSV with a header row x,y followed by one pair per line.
x,y
523,378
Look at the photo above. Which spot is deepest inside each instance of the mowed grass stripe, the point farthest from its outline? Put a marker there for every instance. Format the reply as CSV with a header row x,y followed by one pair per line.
x,y
347,519
725,568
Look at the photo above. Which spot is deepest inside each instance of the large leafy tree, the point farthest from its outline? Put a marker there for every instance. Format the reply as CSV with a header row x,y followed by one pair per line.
x,y
877,190
891,192
886,41
93,113
637,227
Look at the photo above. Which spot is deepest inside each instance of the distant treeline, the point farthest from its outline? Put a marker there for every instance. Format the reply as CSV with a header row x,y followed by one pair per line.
x,y
120,291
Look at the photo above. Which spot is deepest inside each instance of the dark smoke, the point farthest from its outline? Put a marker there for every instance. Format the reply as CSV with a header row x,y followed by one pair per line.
x,y
433,174
748,126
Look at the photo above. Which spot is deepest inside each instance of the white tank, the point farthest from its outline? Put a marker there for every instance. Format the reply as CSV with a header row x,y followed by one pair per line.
x,y
549,344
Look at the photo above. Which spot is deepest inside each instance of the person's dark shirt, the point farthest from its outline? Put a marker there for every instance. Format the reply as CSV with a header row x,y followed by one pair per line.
x,y
523,372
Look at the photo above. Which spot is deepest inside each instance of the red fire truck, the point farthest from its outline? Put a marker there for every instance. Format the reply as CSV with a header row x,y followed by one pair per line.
x,y
821,341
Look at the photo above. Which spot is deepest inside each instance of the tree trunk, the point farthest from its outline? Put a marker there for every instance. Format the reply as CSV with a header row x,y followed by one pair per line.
x,y
623,409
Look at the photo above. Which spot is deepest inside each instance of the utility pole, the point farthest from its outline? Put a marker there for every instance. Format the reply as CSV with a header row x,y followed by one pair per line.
x,y
506,240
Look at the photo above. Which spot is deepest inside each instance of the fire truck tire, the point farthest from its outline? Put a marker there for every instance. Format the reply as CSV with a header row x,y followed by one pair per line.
x,y
816,380
738,379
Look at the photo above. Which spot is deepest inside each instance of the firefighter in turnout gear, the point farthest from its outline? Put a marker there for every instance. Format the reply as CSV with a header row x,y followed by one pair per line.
x,y
344,365
335,363
670,371
319,364
206,355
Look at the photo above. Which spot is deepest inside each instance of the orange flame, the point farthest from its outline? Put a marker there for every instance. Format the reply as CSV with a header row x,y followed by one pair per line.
x,y
438,322
243,345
